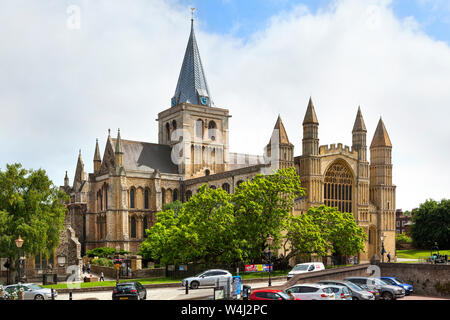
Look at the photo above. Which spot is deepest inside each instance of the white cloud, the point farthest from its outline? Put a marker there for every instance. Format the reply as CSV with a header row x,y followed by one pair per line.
x,y
60,89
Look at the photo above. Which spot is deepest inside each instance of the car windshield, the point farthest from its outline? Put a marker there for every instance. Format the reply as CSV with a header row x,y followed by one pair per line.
x,y
300,267
398,280
376,281
33,287
284,295
353,286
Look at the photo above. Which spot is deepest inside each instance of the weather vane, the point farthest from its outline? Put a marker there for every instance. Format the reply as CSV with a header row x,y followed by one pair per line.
x,y
192,9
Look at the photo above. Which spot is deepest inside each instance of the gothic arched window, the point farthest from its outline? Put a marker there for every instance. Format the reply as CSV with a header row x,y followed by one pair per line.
x,y
133,227
146,199
175,195
211,130
132,198
188,195
199,129
226,187
338,183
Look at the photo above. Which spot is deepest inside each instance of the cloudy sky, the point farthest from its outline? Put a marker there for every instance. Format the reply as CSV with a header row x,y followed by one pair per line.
x,y
63,83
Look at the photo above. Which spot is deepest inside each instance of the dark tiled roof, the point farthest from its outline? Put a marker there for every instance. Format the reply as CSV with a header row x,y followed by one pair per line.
x,y
143,156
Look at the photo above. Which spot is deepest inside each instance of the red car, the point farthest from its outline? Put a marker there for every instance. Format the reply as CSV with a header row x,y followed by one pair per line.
x,y
270,294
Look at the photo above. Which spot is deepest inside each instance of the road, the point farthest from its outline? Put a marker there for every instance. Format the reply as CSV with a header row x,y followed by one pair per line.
x,y
176,293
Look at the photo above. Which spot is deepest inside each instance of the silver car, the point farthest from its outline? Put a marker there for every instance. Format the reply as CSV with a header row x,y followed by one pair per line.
x,y
31,291
207,278
357,292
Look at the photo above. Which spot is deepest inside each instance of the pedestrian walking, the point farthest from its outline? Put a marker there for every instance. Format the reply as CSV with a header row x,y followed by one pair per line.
x,y
84,268
102,277
389,257
88,267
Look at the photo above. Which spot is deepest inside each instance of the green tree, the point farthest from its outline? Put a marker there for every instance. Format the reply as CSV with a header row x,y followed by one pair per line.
x,y
201,231
303,236
339,230
431,223
32,207
262,207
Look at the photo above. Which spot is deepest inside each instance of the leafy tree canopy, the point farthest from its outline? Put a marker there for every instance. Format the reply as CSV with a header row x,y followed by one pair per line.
x,y
32,207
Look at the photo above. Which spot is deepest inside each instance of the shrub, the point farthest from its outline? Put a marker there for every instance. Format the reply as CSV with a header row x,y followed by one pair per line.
x,y
401,238
103,262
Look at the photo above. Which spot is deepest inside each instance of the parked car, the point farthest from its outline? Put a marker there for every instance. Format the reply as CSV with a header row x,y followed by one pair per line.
x,y
305,267
129,291
311,291
340,292
31,291
207,278
387,292
356,292
409,289
269,294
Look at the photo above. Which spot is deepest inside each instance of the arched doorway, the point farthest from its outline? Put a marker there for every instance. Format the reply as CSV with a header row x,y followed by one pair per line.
x,y
338,187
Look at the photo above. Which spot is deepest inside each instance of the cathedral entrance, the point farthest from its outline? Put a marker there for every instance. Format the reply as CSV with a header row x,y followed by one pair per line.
x,y
338,187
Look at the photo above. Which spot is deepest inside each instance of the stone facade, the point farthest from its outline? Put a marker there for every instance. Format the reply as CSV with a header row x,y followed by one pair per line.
x,y
113,205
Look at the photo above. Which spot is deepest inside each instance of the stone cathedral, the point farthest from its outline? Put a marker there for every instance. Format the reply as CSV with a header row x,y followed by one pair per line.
x,y
130,182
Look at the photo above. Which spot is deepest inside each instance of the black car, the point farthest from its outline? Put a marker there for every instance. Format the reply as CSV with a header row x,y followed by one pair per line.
x,y
129,291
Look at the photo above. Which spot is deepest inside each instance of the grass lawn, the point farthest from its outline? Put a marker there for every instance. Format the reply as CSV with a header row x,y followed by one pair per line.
x,y
113,283
417,253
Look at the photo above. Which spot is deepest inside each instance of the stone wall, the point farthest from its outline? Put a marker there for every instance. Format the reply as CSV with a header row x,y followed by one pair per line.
x,y
427,279
137,274
328,274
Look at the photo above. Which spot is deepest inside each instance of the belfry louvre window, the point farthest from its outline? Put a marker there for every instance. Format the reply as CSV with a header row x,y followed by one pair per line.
x,y
338,187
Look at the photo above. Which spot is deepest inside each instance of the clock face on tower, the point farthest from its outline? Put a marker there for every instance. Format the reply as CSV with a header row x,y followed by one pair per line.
x,y
204,101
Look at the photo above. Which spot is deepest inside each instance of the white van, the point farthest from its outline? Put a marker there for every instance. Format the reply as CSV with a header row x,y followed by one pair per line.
x,y
306,267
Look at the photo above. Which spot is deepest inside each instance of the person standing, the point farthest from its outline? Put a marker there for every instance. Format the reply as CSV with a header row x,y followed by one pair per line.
x,y
102,277
88,267
389,257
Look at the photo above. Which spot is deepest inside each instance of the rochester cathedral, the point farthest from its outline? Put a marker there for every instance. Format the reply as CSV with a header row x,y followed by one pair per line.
x,y
131,180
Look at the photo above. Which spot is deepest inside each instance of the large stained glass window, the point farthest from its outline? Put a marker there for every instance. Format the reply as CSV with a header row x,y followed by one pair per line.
x,y
338,188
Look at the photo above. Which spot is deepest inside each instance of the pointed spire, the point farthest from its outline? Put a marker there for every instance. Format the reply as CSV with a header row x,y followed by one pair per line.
x,y
283,137
80,175
119,145
381,137
97,156
359,122
66,180
310,116
192,86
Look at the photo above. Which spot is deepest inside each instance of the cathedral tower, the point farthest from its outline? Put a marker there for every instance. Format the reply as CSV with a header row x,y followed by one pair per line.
x,y
382,191
359,134
196,130
310,162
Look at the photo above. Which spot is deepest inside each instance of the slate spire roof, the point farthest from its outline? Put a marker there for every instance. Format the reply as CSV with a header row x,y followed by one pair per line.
x,y
192,86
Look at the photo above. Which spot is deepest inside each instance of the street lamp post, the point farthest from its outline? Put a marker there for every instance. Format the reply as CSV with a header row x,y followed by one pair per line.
x,y
19,243
117,264
269,243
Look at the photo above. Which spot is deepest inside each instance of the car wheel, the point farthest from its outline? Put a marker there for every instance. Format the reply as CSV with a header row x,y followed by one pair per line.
x,y
194,285
388,296
355,298
38,297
